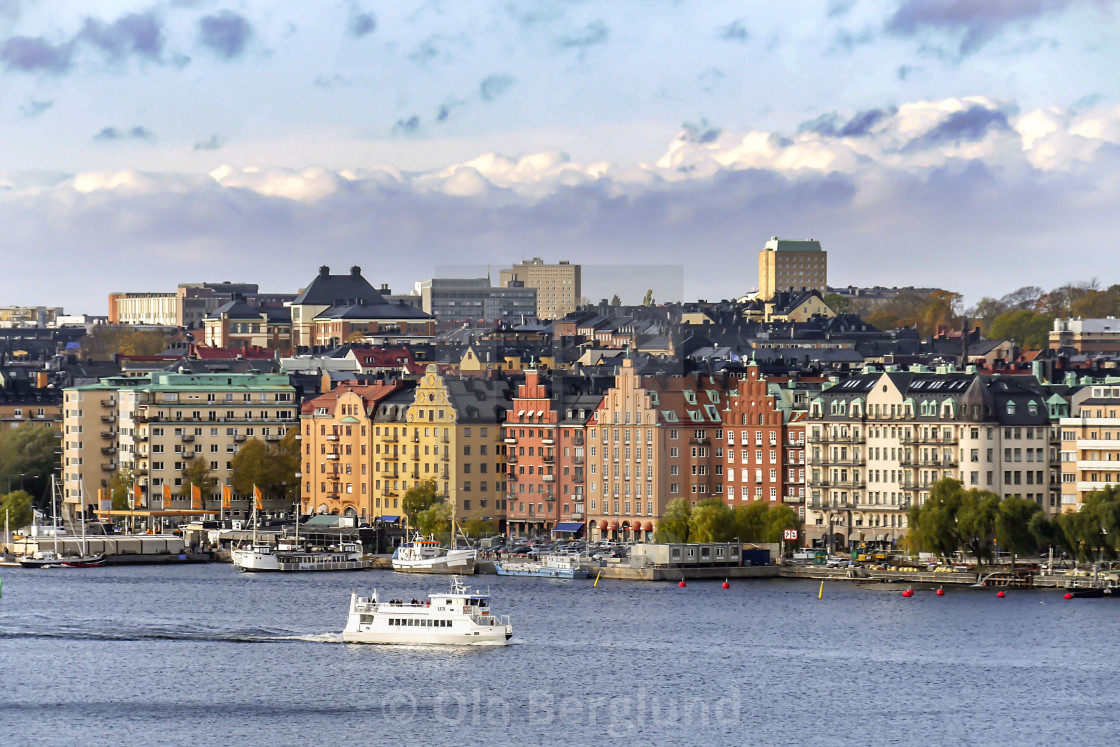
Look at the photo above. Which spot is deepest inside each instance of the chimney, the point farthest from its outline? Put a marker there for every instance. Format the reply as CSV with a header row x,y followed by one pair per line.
x,y
324,271
355,271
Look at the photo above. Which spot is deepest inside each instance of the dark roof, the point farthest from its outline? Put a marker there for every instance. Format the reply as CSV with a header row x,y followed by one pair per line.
x,y
235,309
337,290
374,311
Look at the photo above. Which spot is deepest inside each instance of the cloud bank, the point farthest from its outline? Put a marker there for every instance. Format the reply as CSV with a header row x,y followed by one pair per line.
x,y
966,193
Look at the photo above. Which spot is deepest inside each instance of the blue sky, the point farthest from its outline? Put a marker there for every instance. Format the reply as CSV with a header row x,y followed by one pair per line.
x,y
971,144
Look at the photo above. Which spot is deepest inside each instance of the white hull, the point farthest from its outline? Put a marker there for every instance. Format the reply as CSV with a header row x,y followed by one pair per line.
x,y
459,617
265,559
423,557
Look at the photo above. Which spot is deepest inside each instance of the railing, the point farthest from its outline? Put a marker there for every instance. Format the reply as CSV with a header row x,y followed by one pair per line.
x,y
827,438
548,441
239,437
838,483
919,439
548,477
108,418
188,437
332,436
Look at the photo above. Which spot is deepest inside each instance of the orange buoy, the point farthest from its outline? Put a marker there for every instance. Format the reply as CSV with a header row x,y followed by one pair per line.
x,y
1001,595
1068,595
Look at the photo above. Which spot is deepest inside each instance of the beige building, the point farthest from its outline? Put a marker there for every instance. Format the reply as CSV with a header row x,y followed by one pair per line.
x,y
559,287
791,265
1090,444
879,441
149,427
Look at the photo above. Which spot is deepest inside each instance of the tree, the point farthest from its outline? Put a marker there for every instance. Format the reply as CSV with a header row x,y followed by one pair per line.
x,y
940,310
838,303
1096,305
883,319
647,300
197,473
711,521
751,521
1025,328
616,300
985,312
30,450
674,524
120,488
933,525
976,522
107,340
778,519
419,497
435,519
477,527
1013,526
272,469
17,506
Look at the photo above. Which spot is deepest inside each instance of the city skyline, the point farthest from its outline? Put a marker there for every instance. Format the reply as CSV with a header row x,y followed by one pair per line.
x,y
923,143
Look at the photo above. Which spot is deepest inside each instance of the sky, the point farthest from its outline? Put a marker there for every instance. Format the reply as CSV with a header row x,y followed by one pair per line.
x,y
972,145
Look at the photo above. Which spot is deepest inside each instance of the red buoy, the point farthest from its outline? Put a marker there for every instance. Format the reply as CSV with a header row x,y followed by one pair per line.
x,y
908,593
1068,595
940,592
726,585
682,584
1001,595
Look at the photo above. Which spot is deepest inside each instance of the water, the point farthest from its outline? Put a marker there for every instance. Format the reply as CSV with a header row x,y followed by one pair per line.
x,y
203,654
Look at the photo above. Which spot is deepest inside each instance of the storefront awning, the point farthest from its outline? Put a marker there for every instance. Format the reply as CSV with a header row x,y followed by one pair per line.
x,y
389,519
568,526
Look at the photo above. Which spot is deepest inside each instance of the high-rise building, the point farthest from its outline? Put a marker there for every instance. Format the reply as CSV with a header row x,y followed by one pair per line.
x,y
455,301
791,265
559,287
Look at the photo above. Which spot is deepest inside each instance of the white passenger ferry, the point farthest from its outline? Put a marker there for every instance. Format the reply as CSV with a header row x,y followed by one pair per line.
x,y
458,617
291,557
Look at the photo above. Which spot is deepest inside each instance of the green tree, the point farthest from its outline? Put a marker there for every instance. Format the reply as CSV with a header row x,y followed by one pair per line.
x,y
616,300
120,488
478,528
435,519
933,525
941,309
985,312
1096,304
16,506
647,300
418,498
251,466
778,519
976,522
674,524
1048,534
838,303
751,521
711,521
1025,328
1013,526
197,472
30,450
106,340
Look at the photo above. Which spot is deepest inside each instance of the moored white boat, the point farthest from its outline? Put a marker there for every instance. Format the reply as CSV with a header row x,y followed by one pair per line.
x,y
264,558
551,566
460,616
428,556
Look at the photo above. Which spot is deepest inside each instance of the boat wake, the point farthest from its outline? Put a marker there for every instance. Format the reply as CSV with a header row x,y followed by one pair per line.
x,y
171,633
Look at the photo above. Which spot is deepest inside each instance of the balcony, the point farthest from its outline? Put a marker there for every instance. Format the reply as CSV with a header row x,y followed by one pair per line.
x,y
549,459
926,439
577,515
332,456
578,440
851,460
511,476
113,434
548,441
793,499
239,437
108,450
511,458
828,438
108,466
548,477
332,436
849,482
110,402
579,460
139,470
108,418
577,478
509,440
188,437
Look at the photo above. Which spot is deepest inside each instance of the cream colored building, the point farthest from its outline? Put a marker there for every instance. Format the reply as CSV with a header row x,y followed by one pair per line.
x,y
559,287
791,265
151,426
1090,445
879,441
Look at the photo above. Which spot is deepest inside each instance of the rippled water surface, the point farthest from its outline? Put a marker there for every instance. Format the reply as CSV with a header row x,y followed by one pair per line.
x,y
205,655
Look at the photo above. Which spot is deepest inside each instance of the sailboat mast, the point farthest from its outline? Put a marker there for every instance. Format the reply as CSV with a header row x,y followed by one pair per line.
x,y
54,510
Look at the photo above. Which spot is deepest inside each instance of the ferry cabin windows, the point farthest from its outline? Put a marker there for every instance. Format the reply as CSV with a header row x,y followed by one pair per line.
x,y
418,623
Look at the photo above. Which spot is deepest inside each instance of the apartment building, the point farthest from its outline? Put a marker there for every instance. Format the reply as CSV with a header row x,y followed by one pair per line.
x,y
455,301
879,441
559,287
238,325
150,426
764,423
786,265
652,439
1090,444
1086,336
188,306
341,445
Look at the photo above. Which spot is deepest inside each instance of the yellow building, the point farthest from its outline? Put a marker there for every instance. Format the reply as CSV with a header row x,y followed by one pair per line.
x,y
454,438
559,287
1090,445
788,265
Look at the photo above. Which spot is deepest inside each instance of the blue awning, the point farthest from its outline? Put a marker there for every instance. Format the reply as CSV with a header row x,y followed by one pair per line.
x,y
389,519
568,526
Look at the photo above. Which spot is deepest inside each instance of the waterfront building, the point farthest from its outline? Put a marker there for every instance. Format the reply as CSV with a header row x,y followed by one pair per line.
x,y
340,448
453,437
559,287
1090,444
652,439
150,426
791,265
764,423
879,441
